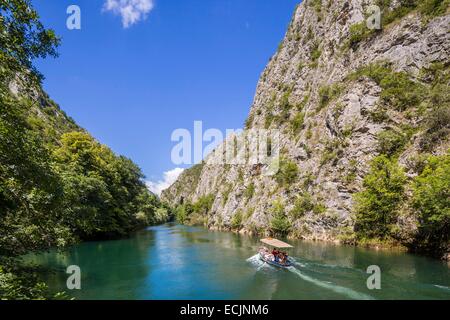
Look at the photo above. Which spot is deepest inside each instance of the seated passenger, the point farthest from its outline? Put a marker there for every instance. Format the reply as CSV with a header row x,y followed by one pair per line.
x,y
276,255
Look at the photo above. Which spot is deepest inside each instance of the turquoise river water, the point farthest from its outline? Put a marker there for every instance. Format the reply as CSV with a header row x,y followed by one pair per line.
x,y
178,262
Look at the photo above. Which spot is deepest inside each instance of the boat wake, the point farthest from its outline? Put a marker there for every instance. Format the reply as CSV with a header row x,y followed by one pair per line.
x,y
315,266
255,261
442,287
352,294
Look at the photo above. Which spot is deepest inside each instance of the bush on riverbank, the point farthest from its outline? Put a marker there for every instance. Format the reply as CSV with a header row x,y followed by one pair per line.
x,y
377,203
431,200
279,224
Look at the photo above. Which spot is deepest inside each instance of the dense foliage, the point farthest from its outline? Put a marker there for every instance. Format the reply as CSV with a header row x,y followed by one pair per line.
x,y
431,200
58,185
378,202
287,173
195,213
279,224
386,193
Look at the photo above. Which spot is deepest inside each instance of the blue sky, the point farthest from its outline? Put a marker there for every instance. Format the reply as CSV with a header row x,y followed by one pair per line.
x,y
132,76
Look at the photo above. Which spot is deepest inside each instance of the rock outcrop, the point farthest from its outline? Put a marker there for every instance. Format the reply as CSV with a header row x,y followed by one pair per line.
x,y
309,92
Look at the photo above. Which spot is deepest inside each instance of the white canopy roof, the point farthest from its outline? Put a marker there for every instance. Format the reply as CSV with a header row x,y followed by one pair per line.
x,y
276,243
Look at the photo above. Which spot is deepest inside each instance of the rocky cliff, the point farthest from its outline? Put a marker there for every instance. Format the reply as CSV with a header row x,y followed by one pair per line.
x,y
341,95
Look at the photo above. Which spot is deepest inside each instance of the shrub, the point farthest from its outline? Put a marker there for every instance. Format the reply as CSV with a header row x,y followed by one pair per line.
x,y
379,114
280,223
316,4
428,8
308,180
319,208
405,7
161,215
358,33
226,193
298,122
249,191
347,132
303,204
285,106
438,127
375,71
398,90
303,103
431,199
203,205
269,119
377,203
433,8
249,213
309,133
19,282
182,213
236,221
327,94
390,142
287,173
437,120
315,54
249,121
351,172
333,150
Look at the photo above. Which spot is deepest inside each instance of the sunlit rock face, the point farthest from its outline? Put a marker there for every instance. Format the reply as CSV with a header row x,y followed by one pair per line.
x,y
334,144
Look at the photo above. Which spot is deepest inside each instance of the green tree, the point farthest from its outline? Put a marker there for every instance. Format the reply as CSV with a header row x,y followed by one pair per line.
x,y
53,190
23,38
204,204
104,192
30,190
431,200
280,224
377,203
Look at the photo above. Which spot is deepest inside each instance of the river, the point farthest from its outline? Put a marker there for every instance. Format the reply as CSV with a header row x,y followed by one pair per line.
x,y
179,262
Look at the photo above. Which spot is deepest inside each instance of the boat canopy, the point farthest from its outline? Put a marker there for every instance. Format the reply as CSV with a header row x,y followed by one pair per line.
x,y
276,243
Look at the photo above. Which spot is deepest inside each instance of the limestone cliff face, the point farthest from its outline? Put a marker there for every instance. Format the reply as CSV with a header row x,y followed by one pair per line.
x,y
326,117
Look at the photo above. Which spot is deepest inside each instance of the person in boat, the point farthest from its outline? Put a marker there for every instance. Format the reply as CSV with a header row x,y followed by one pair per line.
x,y
283,257
276,255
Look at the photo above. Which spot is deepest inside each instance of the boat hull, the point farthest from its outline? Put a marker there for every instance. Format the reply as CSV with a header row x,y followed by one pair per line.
x,y
276,264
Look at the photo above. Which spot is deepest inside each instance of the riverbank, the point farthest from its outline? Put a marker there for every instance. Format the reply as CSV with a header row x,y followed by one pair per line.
x,y
373,244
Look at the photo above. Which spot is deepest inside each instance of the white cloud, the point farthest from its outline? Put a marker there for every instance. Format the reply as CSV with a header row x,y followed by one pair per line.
x,y
169,178
131,11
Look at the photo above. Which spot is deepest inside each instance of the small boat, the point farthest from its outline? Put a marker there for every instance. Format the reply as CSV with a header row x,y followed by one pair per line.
x,y
279,259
